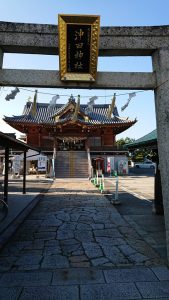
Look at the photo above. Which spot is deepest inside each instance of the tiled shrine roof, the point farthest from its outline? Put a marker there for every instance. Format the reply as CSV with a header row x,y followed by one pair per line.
x,y
47,114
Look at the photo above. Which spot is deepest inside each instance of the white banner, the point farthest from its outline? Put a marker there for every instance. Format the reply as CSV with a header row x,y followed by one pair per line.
x,y
16,164
110,164
123,167
42,162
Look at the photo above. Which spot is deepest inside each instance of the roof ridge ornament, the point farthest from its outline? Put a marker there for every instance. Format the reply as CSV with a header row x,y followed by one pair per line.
x,y
72,99
111,107
34,104
74,118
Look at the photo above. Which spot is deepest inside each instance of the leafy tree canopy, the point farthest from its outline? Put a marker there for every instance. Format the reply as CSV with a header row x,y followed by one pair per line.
x,y
124,141
137,154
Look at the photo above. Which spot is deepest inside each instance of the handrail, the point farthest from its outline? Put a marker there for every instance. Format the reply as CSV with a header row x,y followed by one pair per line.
x,y
90,168
102,186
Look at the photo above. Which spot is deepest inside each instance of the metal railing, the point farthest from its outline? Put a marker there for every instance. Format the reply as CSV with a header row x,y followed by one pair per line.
x,y
3,205
90,168
108,185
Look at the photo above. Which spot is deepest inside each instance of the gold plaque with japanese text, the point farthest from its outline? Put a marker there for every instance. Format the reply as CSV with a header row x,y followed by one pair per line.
x,y
78,47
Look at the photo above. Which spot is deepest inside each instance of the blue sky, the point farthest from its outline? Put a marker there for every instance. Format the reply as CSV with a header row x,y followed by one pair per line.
x,y
112,13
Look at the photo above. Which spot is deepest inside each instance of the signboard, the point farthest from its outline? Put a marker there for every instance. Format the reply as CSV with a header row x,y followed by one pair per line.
x,y
78,47
16,164
110,164
123,167
42,162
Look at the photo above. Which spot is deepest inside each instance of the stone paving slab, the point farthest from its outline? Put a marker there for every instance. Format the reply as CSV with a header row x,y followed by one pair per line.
x,y
154,289
162,272
13,279
129,275
10,293
109,291
54,261
51,293
78,276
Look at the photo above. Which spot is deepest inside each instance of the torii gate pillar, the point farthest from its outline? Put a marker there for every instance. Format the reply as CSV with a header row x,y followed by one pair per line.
x,y
1,58
161,67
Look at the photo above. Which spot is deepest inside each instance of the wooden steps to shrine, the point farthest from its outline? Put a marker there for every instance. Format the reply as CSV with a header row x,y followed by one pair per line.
x,y
71,164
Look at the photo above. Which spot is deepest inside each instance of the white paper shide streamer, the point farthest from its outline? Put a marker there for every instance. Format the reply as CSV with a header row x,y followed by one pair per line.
x,y
90,104
52,103
131,95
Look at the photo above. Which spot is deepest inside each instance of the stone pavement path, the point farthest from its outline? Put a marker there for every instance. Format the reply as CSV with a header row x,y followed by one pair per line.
x,y
75,245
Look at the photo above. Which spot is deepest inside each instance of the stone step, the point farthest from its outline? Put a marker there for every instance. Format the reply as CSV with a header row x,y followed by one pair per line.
x,y
71,164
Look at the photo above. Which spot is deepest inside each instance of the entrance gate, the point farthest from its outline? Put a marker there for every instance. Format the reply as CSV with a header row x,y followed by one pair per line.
x,y
114,41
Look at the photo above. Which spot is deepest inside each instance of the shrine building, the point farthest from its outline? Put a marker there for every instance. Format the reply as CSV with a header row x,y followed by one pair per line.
x,y
78,137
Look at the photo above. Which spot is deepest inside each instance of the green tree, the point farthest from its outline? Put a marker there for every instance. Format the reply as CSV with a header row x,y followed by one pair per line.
x,y
137,155
124,141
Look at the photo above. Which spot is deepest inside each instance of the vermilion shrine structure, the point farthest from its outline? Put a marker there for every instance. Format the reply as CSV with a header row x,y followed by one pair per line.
x,y
79,137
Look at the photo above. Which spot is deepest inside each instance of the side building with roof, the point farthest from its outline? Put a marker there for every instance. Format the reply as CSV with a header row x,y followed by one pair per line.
x,y
148,141
79,138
